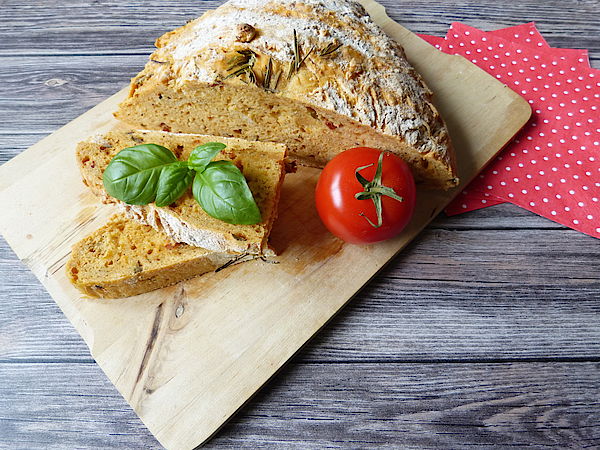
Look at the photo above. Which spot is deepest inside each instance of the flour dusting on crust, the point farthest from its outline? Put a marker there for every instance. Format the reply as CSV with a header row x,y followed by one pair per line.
x,y
368,79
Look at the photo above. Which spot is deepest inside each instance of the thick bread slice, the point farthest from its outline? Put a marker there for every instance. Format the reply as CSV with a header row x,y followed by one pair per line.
x,y
185,221
362,93
125,258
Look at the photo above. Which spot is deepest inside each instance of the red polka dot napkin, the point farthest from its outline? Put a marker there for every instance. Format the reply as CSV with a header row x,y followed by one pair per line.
x,y
553,166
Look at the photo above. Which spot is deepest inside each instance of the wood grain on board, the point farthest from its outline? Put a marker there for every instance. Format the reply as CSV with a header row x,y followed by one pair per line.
x,y
186,374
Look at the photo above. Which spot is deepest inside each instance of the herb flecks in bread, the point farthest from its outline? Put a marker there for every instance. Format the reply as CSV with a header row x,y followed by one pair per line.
x,y
351,85
125,258
262,164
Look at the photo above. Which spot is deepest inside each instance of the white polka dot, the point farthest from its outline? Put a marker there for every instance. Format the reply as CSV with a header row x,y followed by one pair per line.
x,y
572,192
511,195
576,222
545,200
524,191
589,217
567,209
531,203
464,206
580,204
553,213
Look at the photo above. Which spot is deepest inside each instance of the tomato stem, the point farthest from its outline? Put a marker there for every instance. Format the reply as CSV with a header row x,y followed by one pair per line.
x,y
374,190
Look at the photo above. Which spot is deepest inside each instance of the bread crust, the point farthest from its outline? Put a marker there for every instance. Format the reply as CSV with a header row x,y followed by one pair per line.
x,y
366,82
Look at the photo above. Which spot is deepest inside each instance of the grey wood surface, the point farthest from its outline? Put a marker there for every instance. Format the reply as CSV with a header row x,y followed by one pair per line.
x,y
485,331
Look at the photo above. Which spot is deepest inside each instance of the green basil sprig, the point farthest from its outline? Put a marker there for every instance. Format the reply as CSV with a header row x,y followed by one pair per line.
x,y
152,173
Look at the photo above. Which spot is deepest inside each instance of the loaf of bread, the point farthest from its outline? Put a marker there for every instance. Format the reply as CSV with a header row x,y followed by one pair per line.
x,y
263,165
125,258
317,75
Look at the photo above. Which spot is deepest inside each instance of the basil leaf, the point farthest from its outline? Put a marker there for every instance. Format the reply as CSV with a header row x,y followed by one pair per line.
x,y
203,154
173,181
132,175
223,193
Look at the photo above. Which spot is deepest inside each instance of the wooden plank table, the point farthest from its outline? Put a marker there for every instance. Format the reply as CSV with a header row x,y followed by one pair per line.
x,y
484,331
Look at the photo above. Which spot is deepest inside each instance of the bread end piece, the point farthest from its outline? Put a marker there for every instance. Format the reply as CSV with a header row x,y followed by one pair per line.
x,y
124,258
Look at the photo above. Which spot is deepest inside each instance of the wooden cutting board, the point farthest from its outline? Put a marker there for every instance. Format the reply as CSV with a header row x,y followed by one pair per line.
x,y
188,357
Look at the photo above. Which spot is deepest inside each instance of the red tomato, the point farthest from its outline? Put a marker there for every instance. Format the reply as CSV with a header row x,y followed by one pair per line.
x,y
345,215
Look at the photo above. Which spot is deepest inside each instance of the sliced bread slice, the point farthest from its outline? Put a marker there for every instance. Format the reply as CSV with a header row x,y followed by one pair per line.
x,y
125,258
317,75
263,165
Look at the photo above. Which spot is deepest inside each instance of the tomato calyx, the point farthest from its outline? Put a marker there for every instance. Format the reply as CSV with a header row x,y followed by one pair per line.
x,y
374,190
